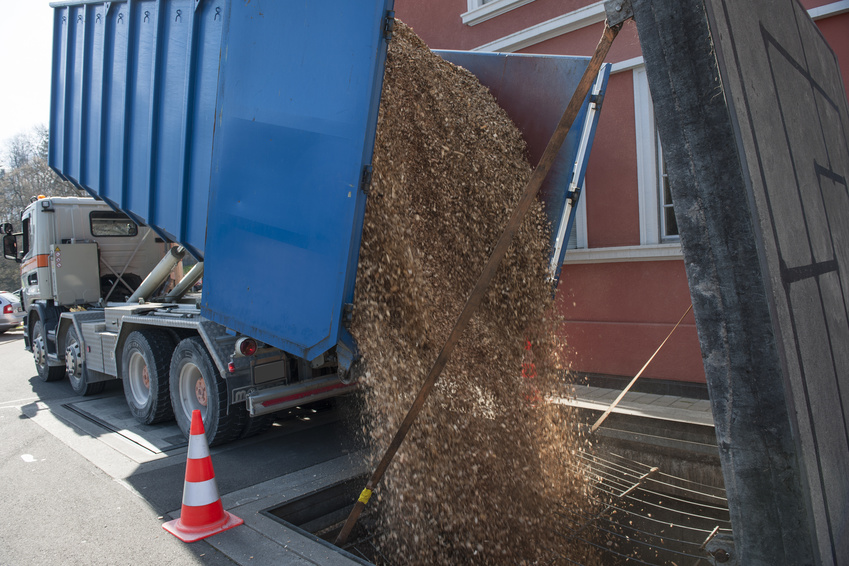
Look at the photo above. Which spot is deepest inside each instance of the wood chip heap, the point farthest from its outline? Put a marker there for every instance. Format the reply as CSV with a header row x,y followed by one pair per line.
x,y
486,466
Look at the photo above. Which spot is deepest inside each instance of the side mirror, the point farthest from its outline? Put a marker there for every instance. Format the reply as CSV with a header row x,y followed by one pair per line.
x,y
10,246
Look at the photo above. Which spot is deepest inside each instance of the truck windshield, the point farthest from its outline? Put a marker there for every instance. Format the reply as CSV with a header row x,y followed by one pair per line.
x,y
109,223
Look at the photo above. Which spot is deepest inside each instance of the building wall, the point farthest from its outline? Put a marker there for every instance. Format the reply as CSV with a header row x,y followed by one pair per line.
x,y
618,314
624,289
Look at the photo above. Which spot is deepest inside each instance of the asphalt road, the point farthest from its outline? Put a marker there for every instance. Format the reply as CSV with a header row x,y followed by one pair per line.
x,y
75,491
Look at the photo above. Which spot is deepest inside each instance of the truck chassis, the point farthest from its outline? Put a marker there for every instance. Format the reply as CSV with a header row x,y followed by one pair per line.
x,y
172,360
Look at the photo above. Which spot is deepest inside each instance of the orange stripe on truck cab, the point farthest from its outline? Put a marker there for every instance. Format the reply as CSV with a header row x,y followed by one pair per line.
x,y
41,260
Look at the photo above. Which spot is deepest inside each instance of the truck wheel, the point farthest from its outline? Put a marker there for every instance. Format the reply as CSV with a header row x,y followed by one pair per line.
x,y
144,368
75,367
197,384
39,353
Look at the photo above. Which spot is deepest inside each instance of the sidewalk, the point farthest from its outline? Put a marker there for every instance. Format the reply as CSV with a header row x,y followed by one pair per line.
x,y
264,540
663,407
673,432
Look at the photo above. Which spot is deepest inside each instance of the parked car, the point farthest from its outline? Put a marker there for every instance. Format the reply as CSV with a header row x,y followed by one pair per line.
x,y
11,312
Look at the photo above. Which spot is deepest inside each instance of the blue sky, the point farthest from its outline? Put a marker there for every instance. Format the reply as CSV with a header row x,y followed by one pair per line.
x,y
25,51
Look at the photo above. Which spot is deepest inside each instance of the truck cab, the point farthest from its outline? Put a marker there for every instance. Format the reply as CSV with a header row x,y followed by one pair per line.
x,y
75,253
78,251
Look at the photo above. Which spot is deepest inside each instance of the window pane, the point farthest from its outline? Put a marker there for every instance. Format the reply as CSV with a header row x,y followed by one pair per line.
x,y
667,194
108,223
670,222
668,225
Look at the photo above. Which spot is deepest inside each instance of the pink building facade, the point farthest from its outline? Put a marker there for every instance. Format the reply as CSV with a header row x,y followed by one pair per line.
x,y
623,285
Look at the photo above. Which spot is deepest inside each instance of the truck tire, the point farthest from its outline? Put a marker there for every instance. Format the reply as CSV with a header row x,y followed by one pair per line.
x,y
76,369
257,425
144,368
197,384
39,353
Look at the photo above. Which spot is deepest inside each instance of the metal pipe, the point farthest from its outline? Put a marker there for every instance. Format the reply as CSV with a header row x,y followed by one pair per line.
x,y
181,288
159,274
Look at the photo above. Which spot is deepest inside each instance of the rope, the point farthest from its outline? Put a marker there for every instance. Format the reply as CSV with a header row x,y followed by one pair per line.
x,y
639,373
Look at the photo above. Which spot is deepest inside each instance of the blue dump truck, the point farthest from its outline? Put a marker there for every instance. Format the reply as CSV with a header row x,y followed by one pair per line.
x,y
238,137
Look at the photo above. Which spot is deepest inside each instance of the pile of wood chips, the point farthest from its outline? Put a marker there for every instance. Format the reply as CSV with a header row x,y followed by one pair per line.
x,y
486,466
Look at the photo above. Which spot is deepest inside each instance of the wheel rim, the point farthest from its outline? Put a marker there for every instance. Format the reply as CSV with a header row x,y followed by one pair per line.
x,y
38,352
139,378
73,359
193,394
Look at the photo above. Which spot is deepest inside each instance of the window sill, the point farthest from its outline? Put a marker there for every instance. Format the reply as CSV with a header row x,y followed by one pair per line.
x,y
654,252
490,10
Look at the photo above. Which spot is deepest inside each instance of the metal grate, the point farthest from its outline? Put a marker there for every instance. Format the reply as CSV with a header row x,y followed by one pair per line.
x,y
647,516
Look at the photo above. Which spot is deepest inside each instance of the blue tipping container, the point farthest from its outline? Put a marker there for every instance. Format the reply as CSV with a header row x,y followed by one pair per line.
x,y
535,90
244,131
241,130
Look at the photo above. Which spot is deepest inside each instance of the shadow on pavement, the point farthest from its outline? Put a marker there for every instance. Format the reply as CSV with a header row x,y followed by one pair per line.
x,y
12,335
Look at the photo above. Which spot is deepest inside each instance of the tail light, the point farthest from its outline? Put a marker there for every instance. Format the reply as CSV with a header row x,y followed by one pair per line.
x,y
8,309
246,346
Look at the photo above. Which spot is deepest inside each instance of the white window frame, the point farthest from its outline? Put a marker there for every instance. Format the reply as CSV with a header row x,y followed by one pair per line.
x,y
653,246
579,228
555,27
828,10
483,10
647,162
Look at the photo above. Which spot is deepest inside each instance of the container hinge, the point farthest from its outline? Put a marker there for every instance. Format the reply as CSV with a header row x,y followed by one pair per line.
x,y
618,11
388,25
347,315
365,180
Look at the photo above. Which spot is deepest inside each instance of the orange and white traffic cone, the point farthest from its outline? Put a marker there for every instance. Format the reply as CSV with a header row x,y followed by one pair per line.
x,y
202,514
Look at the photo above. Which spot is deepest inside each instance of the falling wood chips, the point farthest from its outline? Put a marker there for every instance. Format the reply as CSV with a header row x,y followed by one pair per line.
x,y
486,465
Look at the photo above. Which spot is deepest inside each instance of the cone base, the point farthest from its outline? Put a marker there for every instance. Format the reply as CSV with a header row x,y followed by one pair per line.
x,y
192,534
